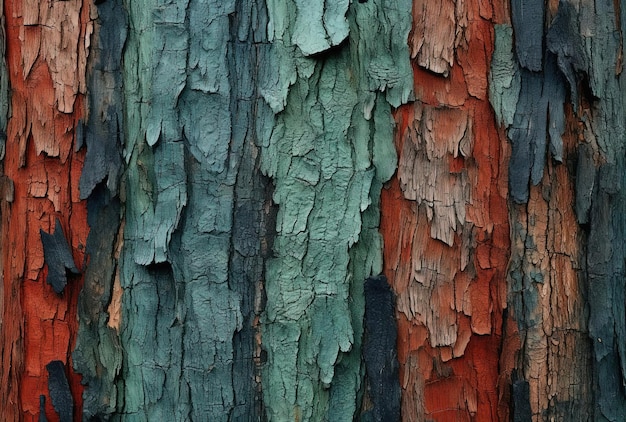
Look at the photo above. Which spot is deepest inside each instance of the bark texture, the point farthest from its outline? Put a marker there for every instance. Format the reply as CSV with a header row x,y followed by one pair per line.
x,y
444,221
328,153
313,211
46,52
566,173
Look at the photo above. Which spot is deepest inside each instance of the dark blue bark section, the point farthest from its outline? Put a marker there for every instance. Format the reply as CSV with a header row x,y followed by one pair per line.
x,y
547,76
539,115
527,17
606,248
250,221
42,409
566,43
528,130
59,389
97,355
585,181
379,351
607,282
520,396
58,256
103,132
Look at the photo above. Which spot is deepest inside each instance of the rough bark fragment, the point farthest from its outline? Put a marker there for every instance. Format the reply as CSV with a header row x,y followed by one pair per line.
x,y
379,351
436,28
42,409
527,17
58,257
585,181
559,270
188,273
504,76
521,401
565,41
546,299
52,31
606,252
60,393
313,26
103,130
253,215
97,354
46,105
437,136
538,114
320,152
445,227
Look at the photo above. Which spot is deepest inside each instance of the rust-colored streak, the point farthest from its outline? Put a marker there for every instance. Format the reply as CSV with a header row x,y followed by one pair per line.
x,y
46,55
446,232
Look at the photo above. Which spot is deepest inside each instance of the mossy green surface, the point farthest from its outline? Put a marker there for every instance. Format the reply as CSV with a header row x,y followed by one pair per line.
x,y
328,154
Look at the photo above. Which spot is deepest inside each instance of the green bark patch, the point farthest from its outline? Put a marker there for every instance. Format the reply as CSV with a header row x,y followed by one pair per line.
x,y
328,154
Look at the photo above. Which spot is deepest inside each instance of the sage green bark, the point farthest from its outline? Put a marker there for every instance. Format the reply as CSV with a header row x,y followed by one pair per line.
x,y
328,154
190,102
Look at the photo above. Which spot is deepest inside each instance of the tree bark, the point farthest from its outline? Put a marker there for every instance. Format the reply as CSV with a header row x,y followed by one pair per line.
x,y
275,210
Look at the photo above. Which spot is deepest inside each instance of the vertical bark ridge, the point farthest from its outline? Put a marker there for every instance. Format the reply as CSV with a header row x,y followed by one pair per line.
x,y
606,249
253,213
98,355
46,55
9,328
328,153
444,221
196,211
565,177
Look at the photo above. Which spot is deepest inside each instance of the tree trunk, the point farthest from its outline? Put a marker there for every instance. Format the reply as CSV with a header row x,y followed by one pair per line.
x,y
314,211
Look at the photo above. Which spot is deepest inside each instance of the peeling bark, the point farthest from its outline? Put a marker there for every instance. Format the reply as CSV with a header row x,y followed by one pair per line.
x,y
328,153
97,355
60,393
45,55
58,257
196,212
565,285
444,222
312,210
379,351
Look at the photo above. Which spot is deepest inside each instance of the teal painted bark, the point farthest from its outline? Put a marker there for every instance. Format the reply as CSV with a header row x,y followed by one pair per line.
x,y
195,211
328,154
200,80
504,78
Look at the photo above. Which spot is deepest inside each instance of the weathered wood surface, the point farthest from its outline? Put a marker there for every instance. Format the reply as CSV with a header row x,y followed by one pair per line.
x,y
97,355
566,173
328,153
46,53
309,210
445,227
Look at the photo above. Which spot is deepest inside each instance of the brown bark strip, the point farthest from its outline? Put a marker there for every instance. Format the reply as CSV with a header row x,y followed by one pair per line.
x,y
546,293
